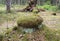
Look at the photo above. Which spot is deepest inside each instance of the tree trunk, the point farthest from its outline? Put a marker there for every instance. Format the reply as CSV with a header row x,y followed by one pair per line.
x,y
54,2
59,5
8,5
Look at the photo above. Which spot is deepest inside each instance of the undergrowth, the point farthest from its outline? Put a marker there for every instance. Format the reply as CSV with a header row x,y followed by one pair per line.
x,y
48,7
49,34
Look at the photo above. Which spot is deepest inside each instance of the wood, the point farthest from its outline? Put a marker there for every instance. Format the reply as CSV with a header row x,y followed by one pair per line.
x,y
8,4
31,5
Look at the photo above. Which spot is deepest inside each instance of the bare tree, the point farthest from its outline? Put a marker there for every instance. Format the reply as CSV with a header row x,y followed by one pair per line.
x,y
8,5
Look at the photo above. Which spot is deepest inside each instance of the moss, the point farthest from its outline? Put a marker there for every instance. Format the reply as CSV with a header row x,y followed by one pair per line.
x,y
8,31
29,20
1,37
51,34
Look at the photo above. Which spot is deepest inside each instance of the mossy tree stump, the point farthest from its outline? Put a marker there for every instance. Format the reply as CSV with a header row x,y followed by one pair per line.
x,y
29,21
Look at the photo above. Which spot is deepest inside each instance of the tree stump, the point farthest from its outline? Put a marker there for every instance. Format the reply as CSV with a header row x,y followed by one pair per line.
x,y
31,5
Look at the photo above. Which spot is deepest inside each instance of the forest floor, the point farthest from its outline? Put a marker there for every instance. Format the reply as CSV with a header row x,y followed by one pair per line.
x,y
49,20
9,21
